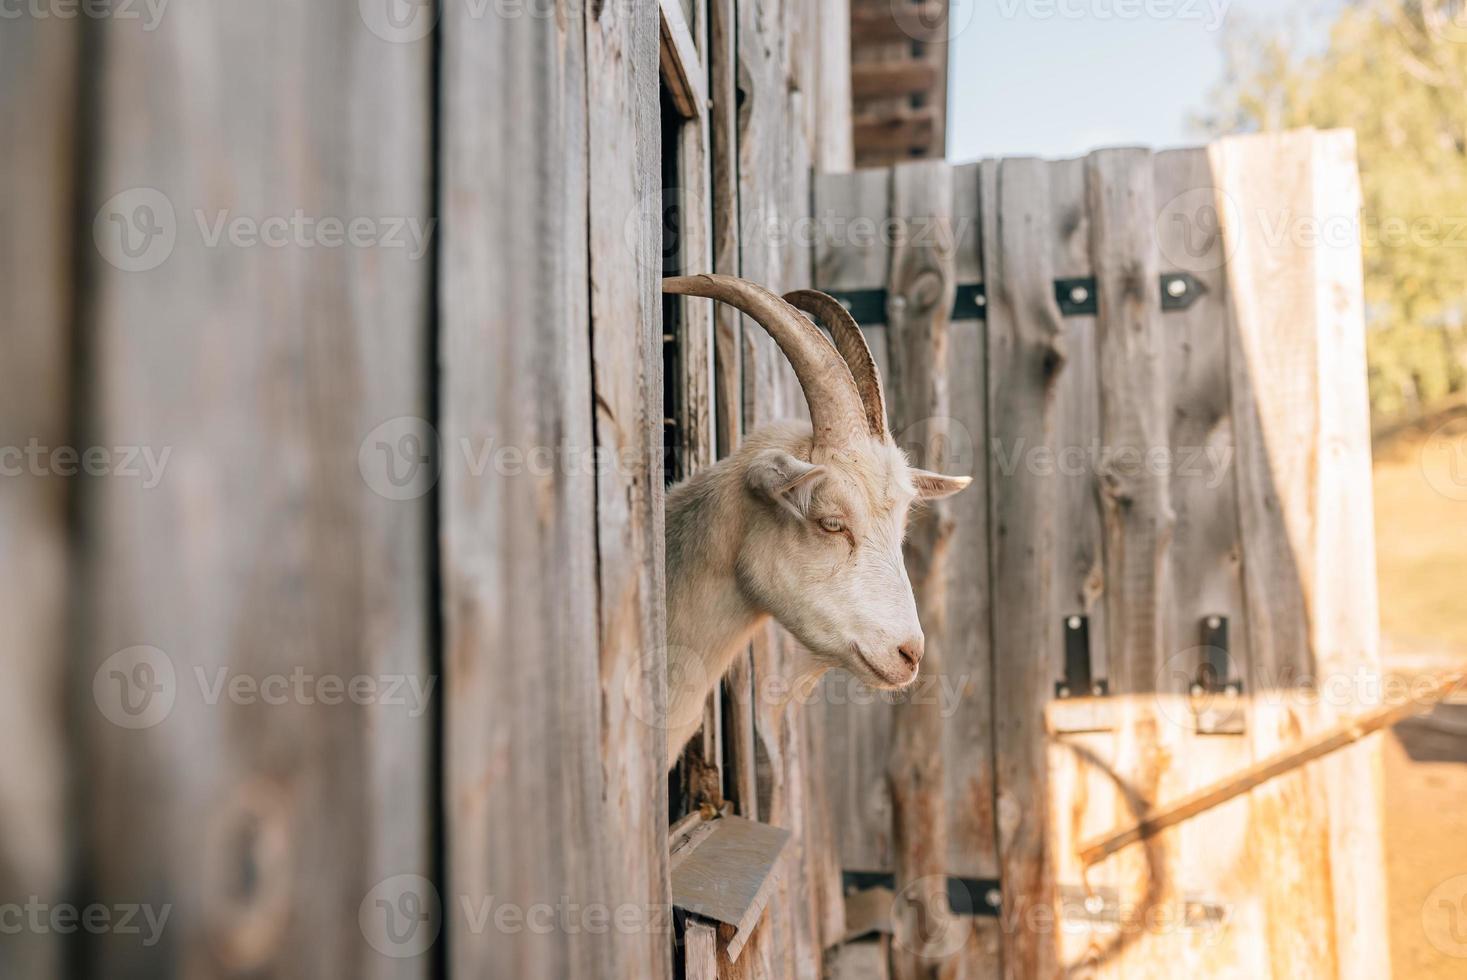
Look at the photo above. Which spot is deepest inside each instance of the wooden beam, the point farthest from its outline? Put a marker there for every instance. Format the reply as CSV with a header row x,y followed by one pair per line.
x,y
878,26
895,133
682,65
885,80
1336,738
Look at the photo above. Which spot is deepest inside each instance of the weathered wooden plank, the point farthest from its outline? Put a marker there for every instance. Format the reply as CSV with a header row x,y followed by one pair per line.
x,y
39,74
1026,356
729,875
1275,417
700,944
738,735
1083,791
1346,620
1135,498
526,824
921,288
966,696
897,78
264,822
622,108
1205,573
895,134
689,202
682,65
1296,312
834,151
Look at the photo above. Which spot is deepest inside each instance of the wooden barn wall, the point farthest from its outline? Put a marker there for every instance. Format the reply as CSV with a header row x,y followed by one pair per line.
x,y
349,487
270,545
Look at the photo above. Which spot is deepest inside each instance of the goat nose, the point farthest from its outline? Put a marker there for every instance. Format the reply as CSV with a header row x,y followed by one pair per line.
x,y
911,651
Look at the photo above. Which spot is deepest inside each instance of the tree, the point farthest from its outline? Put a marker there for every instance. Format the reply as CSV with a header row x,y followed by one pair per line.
x,y
1395,71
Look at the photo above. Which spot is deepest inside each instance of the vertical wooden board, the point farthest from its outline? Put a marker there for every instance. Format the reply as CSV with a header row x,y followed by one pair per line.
x,y
1346,621
622,80
1273,369
920,299
965,695
1138,519
831,106
691,253
269,544
1082,779
530,818
851,253
700,951
39,67
1206,576
1025,360
724,125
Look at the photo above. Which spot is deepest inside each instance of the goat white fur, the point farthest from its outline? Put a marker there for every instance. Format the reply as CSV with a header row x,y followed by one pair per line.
x,y
803,524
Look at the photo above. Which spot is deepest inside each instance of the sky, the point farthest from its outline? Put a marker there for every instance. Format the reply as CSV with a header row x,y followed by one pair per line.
x,y
1058,78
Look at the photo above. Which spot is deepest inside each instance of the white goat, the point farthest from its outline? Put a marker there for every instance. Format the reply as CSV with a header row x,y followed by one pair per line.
x,y
804,523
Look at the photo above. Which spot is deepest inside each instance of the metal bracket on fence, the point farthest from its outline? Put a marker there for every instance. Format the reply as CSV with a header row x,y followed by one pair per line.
x,y
1075,297
1214,671
965,896
1078,681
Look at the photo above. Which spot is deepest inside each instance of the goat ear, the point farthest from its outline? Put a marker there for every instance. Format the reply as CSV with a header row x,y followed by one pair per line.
x,y
785,480
935,486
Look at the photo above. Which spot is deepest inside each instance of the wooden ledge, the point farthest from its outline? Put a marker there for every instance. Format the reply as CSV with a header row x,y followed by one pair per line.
x,y
724,870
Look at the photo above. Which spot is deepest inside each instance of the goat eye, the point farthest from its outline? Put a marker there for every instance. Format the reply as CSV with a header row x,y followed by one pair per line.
x,y
832,524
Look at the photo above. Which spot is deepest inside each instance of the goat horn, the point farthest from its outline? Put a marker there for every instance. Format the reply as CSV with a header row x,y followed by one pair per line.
x,y
835,403
831,315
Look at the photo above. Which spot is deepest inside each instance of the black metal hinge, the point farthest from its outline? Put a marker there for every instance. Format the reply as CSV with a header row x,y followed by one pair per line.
x,y
1075,297
966,896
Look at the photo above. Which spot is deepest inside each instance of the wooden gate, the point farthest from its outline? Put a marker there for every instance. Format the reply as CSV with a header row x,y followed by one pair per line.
x,y
1157,361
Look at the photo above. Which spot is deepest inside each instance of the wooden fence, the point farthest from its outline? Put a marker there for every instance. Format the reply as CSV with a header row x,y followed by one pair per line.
x,y
1159,360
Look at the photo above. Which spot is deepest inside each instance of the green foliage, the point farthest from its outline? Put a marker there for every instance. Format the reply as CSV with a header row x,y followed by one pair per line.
x,y
1395,71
